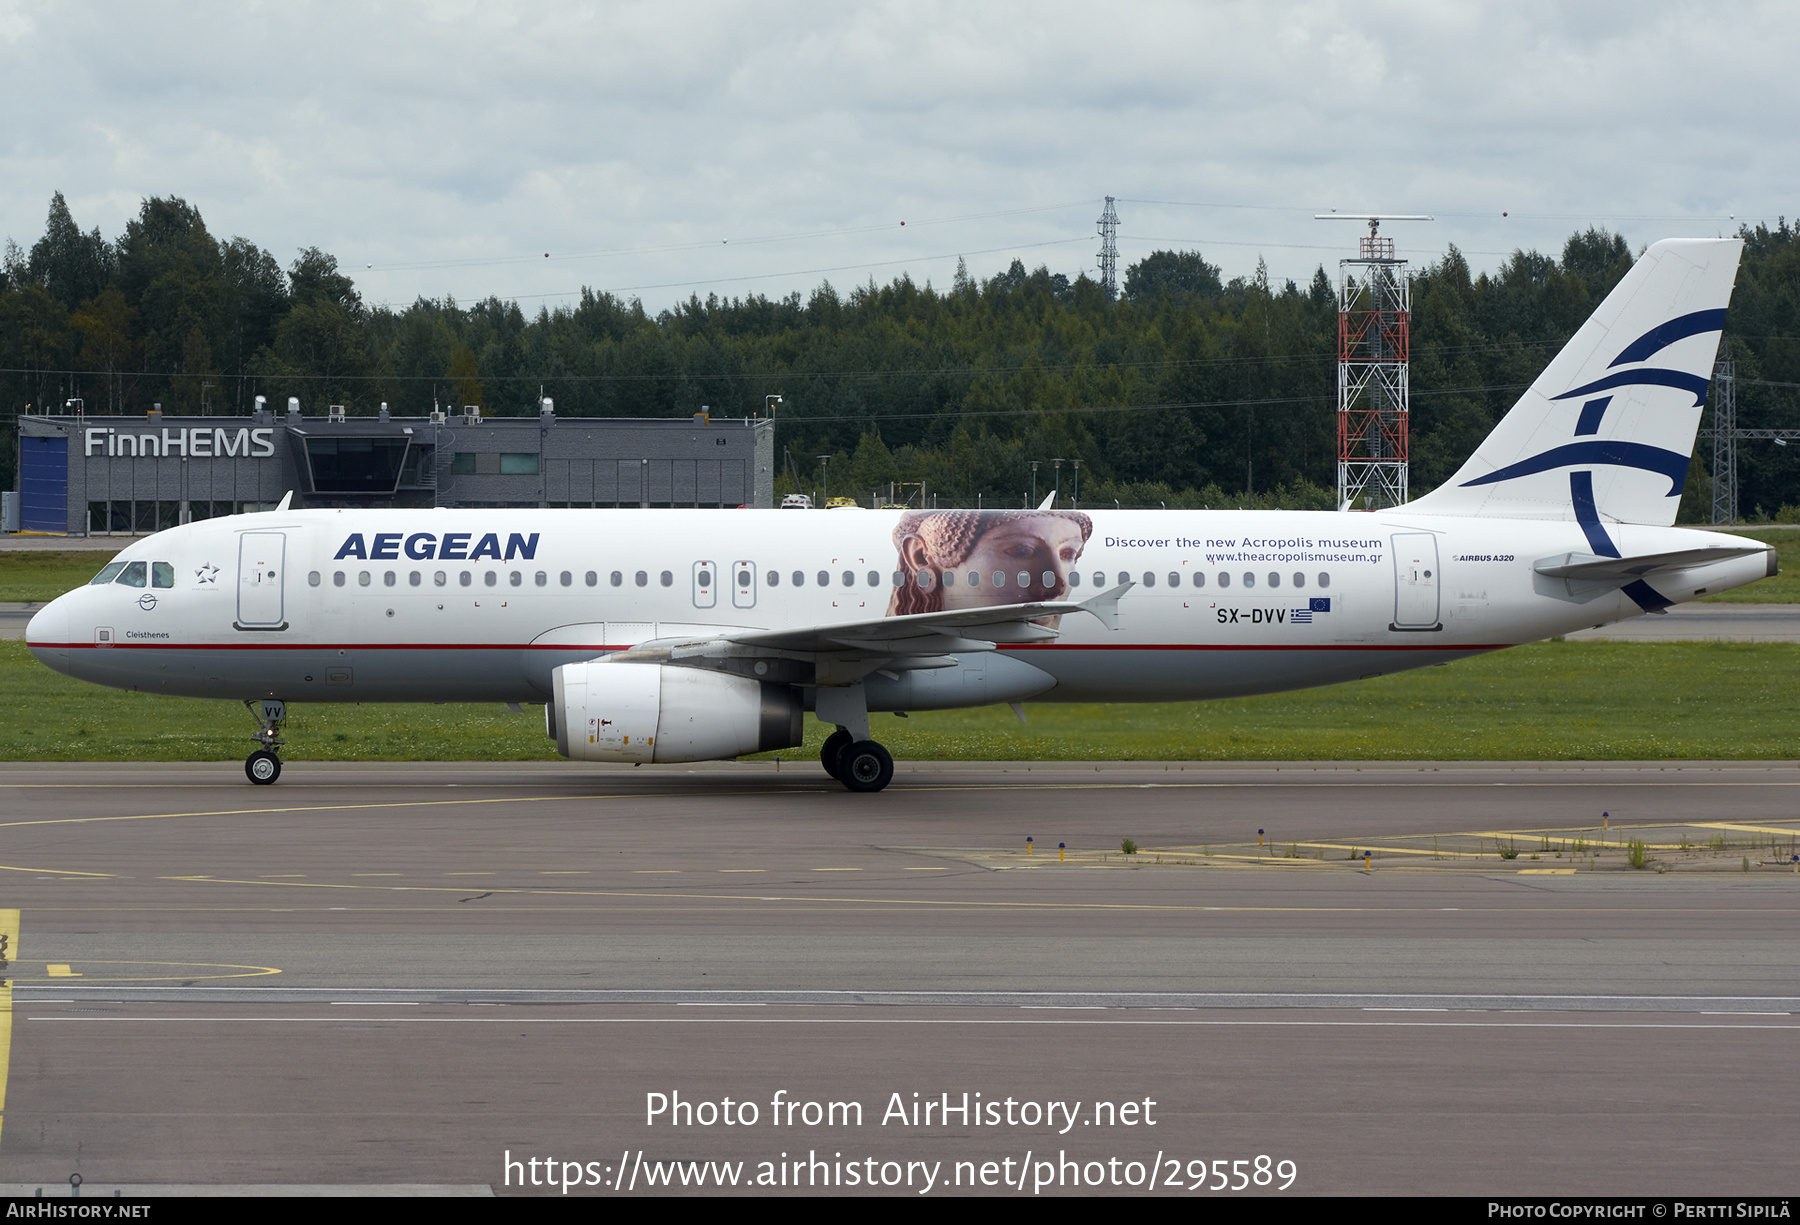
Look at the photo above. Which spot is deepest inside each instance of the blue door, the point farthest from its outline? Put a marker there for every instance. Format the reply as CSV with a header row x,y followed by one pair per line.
x,y
44,484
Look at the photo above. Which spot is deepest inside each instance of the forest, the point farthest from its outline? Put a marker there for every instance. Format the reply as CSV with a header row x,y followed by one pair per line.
x,y
1188,390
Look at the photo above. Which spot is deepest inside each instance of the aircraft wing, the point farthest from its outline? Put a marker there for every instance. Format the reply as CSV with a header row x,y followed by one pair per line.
x,y
1587,567
919,636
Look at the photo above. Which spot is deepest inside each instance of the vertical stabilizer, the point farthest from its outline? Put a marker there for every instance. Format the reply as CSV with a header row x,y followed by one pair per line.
x,y
1605,434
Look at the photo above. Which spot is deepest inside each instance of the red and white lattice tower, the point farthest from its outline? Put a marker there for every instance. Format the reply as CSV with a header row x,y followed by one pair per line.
x,y
1374,348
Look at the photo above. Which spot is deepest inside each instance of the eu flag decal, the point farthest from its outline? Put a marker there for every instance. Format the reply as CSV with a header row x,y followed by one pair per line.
x,y
1321,604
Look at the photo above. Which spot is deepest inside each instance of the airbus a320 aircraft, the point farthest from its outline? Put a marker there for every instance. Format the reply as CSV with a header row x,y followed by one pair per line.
x,y
690,635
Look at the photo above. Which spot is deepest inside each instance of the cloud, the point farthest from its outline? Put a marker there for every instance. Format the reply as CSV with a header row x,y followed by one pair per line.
x,y
452,145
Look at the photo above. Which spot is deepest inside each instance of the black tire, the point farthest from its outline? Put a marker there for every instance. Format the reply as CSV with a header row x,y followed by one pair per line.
x,y
865,766
262,767
835,744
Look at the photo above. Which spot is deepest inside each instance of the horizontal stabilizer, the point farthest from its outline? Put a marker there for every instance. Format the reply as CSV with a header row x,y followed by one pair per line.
x,y
1588,568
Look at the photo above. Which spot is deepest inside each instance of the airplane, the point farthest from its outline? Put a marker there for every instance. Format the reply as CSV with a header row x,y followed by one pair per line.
x,y
675,635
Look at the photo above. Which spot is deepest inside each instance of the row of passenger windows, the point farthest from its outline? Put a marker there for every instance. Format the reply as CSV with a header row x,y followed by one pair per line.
x,y
165,577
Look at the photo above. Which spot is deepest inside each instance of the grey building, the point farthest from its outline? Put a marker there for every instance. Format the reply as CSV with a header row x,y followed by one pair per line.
x,y
87,475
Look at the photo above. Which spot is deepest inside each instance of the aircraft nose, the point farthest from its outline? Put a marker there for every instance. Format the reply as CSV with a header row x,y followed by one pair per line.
x,y
49,624
47,630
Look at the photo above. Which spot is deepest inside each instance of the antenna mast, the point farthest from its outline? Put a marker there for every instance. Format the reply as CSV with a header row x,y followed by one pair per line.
x,y
1109,251
1374,357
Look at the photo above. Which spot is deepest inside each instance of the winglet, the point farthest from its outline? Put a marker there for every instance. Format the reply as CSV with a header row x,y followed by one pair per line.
x,y
1106,605
1048,499
286,499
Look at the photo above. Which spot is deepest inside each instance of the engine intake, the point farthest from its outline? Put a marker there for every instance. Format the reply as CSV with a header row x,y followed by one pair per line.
x,y
604,711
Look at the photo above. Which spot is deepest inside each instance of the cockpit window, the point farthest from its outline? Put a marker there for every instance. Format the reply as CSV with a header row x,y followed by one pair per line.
x,y
162,574
133,575
108,574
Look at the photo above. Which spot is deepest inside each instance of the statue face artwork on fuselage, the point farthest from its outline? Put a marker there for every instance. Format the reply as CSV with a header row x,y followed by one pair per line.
x,y
955,559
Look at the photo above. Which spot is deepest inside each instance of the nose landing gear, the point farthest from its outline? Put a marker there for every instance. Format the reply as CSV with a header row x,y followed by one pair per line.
x,y
264,766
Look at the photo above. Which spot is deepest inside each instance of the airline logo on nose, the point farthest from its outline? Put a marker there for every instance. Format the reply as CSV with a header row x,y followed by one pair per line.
x,y
451,546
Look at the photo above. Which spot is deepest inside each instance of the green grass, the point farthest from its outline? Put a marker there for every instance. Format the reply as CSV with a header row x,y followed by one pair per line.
x,y
1554,701
27,574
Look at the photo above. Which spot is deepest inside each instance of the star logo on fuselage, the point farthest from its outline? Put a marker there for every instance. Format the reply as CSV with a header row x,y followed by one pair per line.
x,y
207,573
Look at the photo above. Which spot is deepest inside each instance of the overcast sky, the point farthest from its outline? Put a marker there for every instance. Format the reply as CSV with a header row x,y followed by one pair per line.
x,y
663,149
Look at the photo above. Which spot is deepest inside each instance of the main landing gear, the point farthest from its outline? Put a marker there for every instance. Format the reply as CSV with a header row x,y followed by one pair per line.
x,y
861,765
264,766
849,755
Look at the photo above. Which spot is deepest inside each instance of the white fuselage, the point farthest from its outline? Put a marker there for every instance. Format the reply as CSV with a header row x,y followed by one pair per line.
x,y
482,605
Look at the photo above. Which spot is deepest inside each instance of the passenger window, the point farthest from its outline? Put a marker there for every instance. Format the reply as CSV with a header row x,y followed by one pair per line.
x,y
593,579
1100,578
362,578
824,578
414,578
543,580
1274,579
1074,578
1249,579
849,579
1174,579
337,578
1049,577
162,574
1224,579
1123,578
999,578
568,580
312,578
108,573
924,579
516,579
1024,579
491,578
899,579
133,575
950,580
668,578
617,579
1149,579
874,578
1199,579
799,578
772,579
389,579
439,578
1324,579
704,578
1299,579
641,578
974,578
464,578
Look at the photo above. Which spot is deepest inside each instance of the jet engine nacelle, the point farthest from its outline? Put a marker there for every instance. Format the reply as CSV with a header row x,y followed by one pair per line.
x,y
606,711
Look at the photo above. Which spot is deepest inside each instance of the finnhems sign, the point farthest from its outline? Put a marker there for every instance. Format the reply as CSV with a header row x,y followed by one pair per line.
x,y
194,442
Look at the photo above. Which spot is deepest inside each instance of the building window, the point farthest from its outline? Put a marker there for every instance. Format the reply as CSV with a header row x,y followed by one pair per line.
x,y
518,463
463,464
